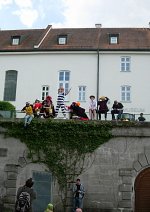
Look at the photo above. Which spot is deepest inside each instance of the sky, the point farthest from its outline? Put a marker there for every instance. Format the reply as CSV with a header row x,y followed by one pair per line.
x,y
36,14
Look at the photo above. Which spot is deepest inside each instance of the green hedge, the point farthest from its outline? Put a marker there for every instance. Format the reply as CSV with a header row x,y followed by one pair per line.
x,y
6,106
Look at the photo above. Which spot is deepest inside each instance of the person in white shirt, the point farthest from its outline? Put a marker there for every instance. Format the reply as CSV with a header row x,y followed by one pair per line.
x,y
92,108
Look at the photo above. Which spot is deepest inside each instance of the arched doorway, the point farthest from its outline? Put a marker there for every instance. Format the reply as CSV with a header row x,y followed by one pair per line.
x,y
142,191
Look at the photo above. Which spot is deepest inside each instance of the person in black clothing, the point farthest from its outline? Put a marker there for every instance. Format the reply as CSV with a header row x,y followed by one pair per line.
x,y
78,193
141,117
76,110
117,108
102,106
28,193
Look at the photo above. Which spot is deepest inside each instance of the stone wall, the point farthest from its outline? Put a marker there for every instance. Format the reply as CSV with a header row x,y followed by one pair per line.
x,y
108,180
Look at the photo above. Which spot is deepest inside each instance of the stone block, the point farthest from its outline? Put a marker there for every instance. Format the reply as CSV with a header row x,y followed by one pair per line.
x,y
11,168
11,176
147,154
22,162
9,207
125,188
125,204
137,166
125,172
142,160
127,179
10,183
126,195
9,199
3,152
11,191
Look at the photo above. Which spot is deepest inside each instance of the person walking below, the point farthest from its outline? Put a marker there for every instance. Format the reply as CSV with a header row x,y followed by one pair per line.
x,y
92,108
102,106
78,193
60,102
25,196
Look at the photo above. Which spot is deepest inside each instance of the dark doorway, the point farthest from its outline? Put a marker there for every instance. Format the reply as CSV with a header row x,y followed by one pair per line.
x,y
142,191
42,186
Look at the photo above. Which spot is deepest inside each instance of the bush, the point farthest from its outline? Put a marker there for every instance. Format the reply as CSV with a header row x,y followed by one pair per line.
x,y
6,106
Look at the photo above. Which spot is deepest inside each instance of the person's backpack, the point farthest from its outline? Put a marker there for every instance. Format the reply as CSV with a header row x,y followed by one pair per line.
x,y
23,202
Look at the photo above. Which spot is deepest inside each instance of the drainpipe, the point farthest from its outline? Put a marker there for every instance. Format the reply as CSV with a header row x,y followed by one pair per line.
x,y
98,62
97,93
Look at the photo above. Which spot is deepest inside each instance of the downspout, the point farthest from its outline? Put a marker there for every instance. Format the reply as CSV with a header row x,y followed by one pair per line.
x,y
98,62
97,92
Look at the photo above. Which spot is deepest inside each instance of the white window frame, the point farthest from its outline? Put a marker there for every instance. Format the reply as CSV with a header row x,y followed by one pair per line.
x,y
63,82
62,40
125,64
126,93
113,39
15,40
82,93
45,91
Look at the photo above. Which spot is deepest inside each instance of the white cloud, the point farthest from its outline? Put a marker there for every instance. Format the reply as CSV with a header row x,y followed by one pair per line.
x,y
116,13
26,13
5,3
27,16
24,3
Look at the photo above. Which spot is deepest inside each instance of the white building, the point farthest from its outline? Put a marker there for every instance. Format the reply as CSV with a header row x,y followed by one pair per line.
x,y
113,62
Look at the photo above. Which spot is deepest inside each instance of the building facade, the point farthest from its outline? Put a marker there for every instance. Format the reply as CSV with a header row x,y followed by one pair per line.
x,y
112,62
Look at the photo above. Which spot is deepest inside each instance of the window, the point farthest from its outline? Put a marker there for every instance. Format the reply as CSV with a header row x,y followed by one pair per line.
x,y
62,39
113,38
126,93
64,77
10,85
45,91
15,40
125,64
82,93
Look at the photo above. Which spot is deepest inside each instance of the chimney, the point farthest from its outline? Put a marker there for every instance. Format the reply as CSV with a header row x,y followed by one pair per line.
x,y
98,25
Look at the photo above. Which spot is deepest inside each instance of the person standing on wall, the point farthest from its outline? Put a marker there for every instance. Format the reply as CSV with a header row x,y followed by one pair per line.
x,y
60,101
78,194
92,108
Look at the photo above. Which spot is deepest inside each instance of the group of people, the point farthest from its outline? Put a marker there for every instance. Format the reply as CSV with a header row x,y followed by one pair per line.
x,y
101,107
26,195
46,108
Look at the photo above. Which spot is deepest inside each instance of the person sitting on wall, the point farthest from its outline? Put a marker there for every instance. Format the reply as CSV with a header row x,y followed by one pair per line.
x,y
37,105
28,109
141,117
76,110
117,108
48,108
102,106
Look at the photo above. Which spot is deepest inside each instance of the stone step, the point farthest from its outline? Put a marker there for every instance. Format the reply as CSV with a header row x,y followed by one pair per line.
x,y
3,152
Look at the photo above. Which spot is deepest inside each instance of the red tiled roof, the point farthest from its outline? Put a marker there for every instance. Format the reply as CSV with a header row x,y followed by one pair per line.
x,y
77,39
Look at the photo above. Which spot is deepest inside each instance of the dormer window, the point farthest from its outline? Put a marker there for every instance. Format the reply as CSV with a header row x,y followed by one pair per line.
x,y
113,38
62,39
15,40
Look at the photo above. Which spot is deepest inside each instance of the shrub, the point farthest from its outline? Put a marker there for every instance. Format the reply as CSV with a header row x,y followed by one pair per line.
x,y
7,106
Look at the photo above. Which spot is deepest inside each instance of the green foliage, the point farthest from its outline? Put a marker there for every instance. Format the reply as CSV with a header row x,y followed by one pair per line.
x,y
7,106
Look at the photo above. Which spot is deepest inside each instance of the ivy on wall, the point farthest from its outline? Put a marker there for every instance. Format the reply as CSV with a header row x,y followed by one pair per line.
x,y
62,145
